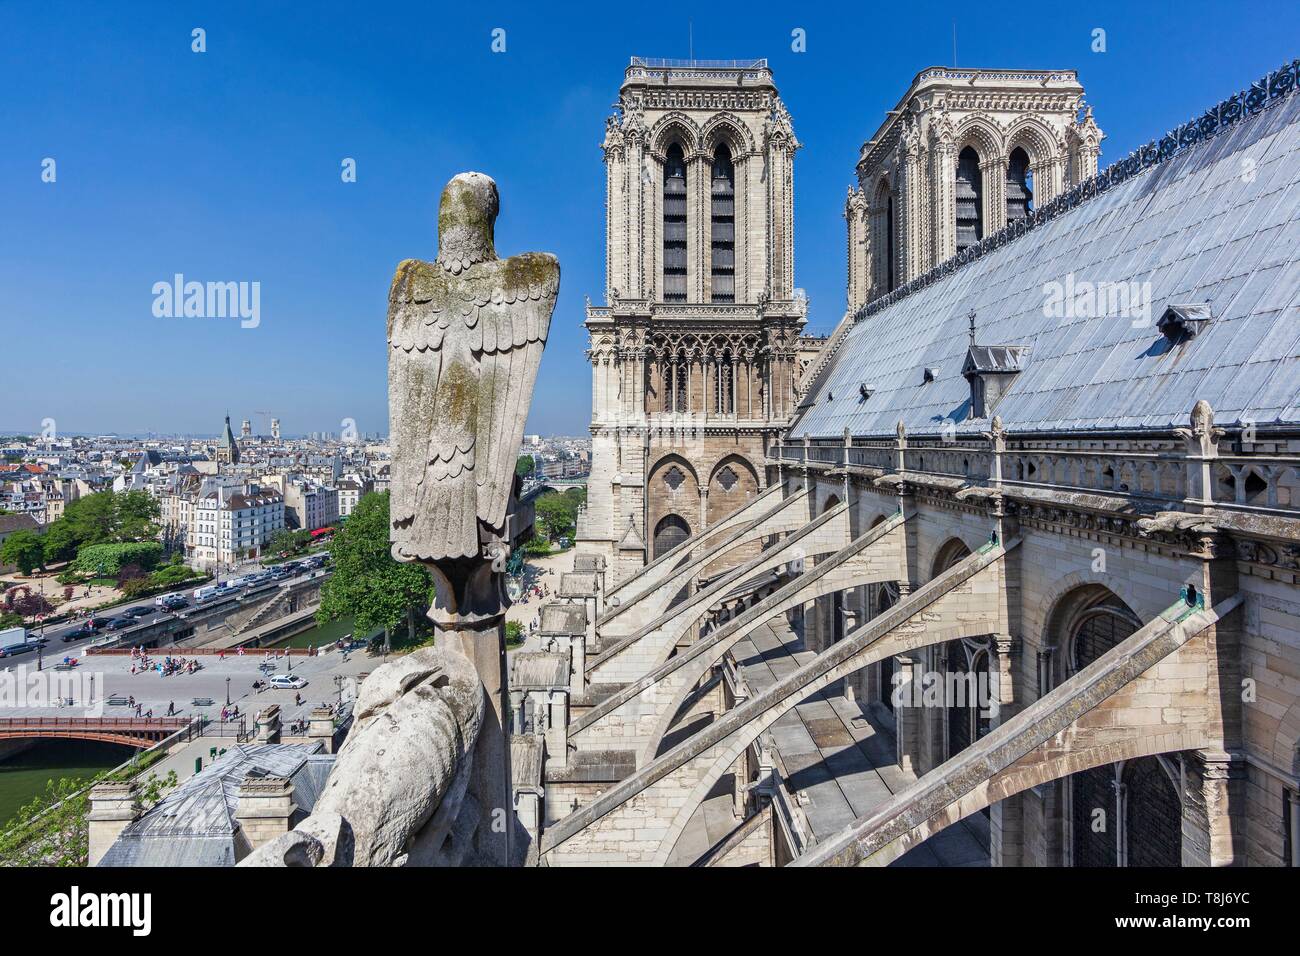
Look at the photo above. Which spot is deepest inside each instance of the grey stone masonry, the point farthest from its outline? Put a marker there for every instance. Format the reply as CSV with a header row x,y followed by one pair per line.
x,y
639,820
1145,696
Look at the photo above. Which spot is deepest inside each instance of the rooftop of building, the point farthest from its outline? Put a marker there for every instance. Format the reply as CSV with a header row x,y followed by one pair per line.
x,y
747,73
1207,215
195,825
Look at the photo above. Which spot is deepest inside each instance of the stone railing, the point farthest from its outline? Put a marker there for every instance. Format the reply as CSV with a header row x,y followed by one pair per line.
x,y
1186,467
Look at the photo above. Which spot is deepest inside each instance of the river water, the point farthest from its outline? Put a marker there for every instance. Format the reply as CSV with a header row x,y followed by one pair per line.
x,y
320,634
26,775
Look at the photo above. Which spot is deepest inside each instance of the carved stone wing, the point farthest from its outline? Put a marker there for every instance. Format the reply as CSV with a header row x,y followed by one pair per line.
x,y
513,326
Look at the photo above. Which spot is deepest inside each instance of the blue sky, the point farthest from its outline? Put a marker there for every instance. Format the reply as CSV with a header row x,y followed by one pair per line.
x,y
225,166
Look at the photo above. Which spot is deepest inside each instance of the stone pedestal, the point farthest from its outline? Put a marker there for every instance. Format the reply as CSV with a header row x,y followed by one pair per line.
x,y
484,643
113,805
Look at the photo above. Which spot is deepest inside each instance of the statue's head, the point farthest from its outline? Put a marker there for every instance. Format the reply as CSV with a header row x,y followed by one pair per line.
x,y
466,216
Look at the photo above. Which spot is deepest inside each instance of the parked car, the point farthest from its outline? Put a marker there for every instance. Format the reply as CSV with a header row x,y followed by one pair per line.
x,y
286,682
206,592
175,602
95,623
78,634
137,612
119,624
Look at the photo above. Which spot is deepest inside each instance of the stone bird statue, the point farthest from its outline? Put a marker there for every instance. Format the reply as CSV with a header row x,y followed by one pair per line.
x,y
465,335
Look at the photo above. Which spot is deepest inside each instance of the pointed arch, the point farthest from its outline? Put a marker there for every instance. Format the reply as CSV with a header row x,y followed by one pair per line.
x,y
1033,136
980,135
674,128
724,128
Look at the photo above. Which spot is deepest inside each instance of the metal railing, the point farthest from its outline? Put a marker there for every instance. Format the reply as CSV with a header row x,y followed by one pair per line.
x,y
1166,471
663,63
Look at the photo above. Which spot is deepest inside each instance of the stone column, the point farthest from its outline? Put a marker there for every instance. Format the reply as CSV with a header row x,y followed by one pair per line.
x,y
484,644
907,723
943,158
557,728
1006,817
265,809
113,805
1213,808
578,661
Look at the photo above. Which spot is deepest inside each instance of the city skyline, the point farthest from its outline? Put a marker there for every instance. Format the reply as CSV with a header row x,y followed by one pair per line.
x,y
255,188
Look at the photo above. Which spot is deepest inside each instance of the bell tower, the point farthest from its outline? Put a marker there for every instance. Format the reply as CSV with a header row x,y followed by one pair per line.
x,y
695,355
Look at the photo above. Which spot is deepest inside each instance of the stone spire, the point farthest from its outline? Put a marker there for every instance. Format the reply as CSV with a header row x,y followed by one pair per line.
x,y
227,447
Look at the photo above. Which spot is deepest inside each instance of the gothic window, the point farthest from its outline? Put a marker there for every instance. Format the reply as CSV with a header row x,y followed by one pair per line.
x,y
1019,192
724,226
1098,802
669,369
671,531
967,714
889,245
970,199
675,225
1153,815
674,477
727,478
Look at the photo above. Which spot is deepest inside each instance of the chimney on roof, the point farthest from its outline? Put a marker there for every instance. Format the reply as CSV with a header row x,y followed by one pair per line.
x,y
265,809
113,805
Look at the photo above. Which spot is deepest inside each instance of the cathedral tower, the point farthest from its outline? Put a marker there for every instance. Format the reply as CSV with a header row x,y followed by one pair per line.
x,y
964,153
695,356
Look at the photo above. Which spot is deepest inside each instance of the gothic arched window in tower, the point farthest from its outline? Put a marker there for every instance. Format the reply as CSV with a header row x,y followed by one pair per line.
x,y
1020,195
970,199
724,226
881,215
675,225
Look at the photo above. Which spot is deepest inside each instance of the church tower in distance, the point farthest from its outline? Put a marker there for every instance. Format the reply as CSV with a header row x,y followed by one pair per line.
x,y
695,360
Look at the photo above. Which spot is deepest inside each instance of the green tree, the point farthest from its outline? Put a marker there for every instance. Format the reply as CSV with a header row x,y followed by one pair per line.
x,y
367,583
525,466
110,559
25,549
105,517
557,514
288,541
60,541
53,829
135,516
